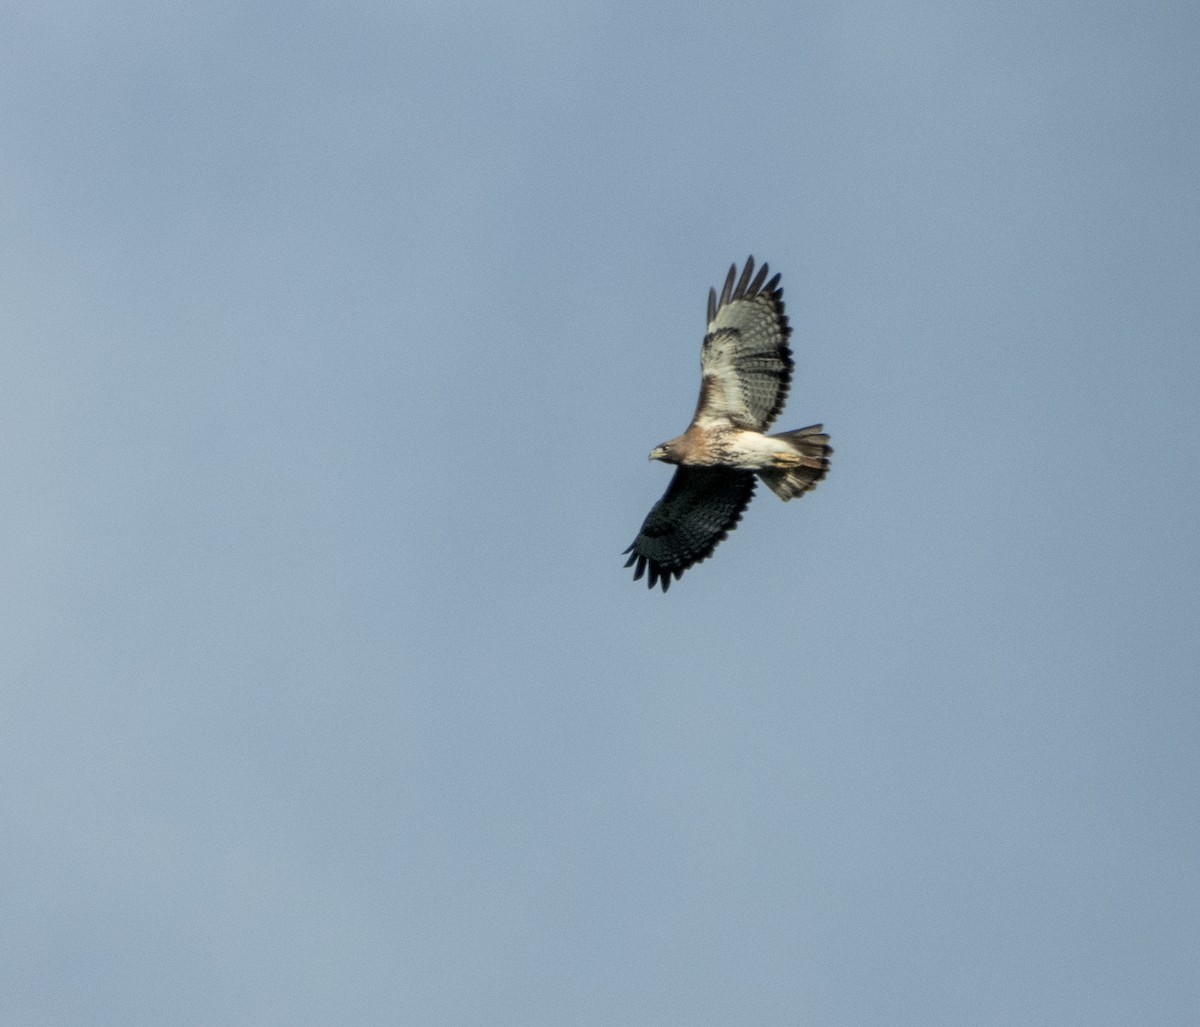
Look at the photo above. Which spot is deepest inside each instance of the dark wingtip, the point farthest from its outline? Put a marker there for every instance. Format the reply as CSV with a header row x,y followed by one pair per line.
x,y
653,571
728,288
759,278
740,291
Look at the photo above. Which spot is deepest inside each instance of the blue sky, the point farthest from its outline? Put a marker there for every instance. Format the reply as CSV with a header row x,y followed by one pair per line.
x,y
334,340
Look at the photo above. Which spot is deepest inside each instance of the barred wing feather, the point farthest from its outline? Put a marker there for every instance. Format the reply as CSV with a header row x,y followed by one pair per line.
x,y
745,364
700,507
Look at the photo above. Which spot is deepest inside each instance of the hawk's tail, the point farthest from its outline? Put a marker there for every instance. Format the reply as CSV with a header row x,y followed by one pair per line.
x,y
812,451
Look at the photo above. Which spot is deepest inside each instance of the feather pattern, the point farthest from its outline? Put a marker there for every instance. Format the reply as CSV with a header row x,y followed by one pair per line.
x,y
745,363
700,507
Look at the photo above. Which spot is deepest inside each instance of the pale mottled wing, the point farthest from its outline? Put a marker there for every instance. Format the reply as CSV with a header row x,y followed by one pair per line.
x,y
700,507
745,364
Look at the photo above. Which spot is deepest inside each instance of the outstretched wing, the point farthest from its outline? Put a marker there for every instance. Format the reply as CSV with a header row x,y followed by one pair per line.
x,y
700,507
745,365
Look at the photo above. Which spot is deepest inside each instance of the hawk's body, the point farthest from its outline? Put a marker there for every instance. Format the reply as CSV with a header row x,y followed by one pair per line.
x,y
745,368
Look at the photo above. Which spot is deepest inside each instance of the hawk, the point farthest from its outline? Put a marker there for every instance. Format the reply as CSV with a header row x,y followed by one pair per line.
x,y
745,371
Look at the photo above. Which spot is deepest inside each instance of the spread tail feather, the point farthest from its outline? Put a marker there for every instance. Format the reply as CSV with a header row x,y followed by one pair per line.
x,y
812,447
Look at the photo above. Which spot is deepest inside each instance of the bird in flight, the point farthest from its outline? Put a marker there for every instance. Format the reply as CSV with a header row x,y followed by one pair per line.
x,y
745,370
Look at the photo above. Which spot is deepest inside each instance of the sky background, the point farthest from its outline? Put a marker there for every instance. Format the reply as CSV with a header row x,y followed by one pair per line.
x,y
333,338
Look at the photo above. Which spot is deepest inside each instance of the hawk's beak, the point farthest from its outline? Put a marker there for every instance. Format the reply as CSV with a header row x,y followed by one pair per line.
x,y
658,452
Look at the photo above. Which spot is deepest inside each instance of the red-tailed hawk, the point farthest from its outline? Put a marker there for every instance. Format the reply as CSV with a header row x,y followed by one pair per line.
x,y
745,369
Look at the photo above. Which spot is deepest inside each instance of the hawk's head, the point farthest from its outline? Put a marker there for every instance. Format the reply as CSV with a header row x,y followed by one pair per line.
x,y
669,452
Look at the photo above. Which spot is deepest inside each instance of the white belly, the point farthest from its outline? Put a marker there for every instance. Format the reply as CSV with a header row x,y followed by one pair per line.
x,y
753,451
